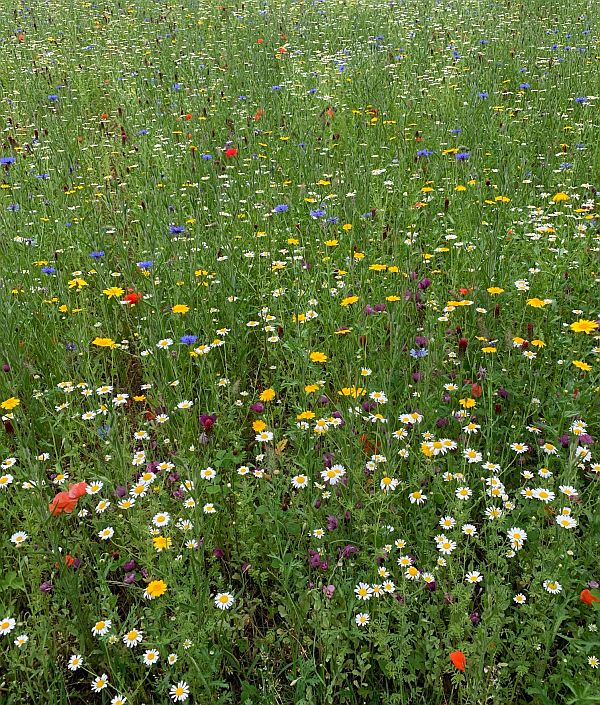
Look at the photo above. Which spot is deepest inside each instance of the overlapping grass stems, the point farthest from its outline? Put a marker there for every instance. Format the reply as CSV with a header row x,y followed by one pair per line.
x,y
357,228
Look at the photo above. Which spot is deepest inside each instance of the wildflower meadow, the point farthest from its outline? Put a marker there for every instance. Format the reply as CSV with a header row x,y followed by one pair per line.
x,y
300,316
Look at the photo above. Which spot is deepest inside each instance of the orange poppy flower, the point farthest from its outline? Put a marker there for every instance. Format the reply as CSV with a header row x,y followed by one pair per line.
x,y
459,660
587,597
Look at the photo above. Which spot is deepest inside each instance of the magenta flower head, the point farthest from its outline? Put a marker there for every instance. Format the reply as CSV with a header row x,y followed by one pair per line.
x,y
348,551
258,407
207,421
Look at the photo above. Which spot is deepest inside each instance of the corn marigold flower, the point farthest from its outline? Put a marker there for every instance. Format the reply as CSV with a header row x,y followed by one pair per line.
x,y
154,589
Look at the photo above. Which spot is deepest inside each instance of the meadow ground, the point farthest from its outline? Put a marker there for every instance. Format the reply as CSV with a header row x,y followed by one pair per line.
x,y
299,355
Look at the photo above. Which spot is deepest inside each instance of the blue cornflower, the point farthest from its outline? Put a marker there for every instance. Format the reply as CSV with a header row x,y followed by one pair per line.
x,y
313,90
333,219
275,88
53,97
456,131
42,176
483,94
419,352
103,431
48,270
176,229
146,264
207,157
455,54
188,339
424,153
281,208
566,165
97,254
317,213
581,99
177,86
14,207
462,156
7,160
524,86
143,132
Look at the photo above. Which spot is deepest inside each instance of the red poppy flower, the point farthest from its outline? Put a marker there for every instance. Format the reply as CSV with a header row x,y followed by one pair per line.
x,y
188,116
77,491
67,501
132,298
476,390
587,597
231,152
260,41
459,660
62,503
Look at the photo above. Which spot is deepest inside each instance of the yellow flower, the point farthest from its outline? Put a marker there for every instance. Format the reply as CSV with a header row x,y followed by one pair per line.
x,y
460,187
378,267
305,415
155,588
311,388
538,343
347,226
392,298
502,199
104,342
467,403
489,349
331,243
495,290
536,303
10,403
79,283
426,450
139,397
349,300
581,365
559,197
583,326
267,395
180,308
466,302
318,357
114,291
352,391
162,542
259,426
